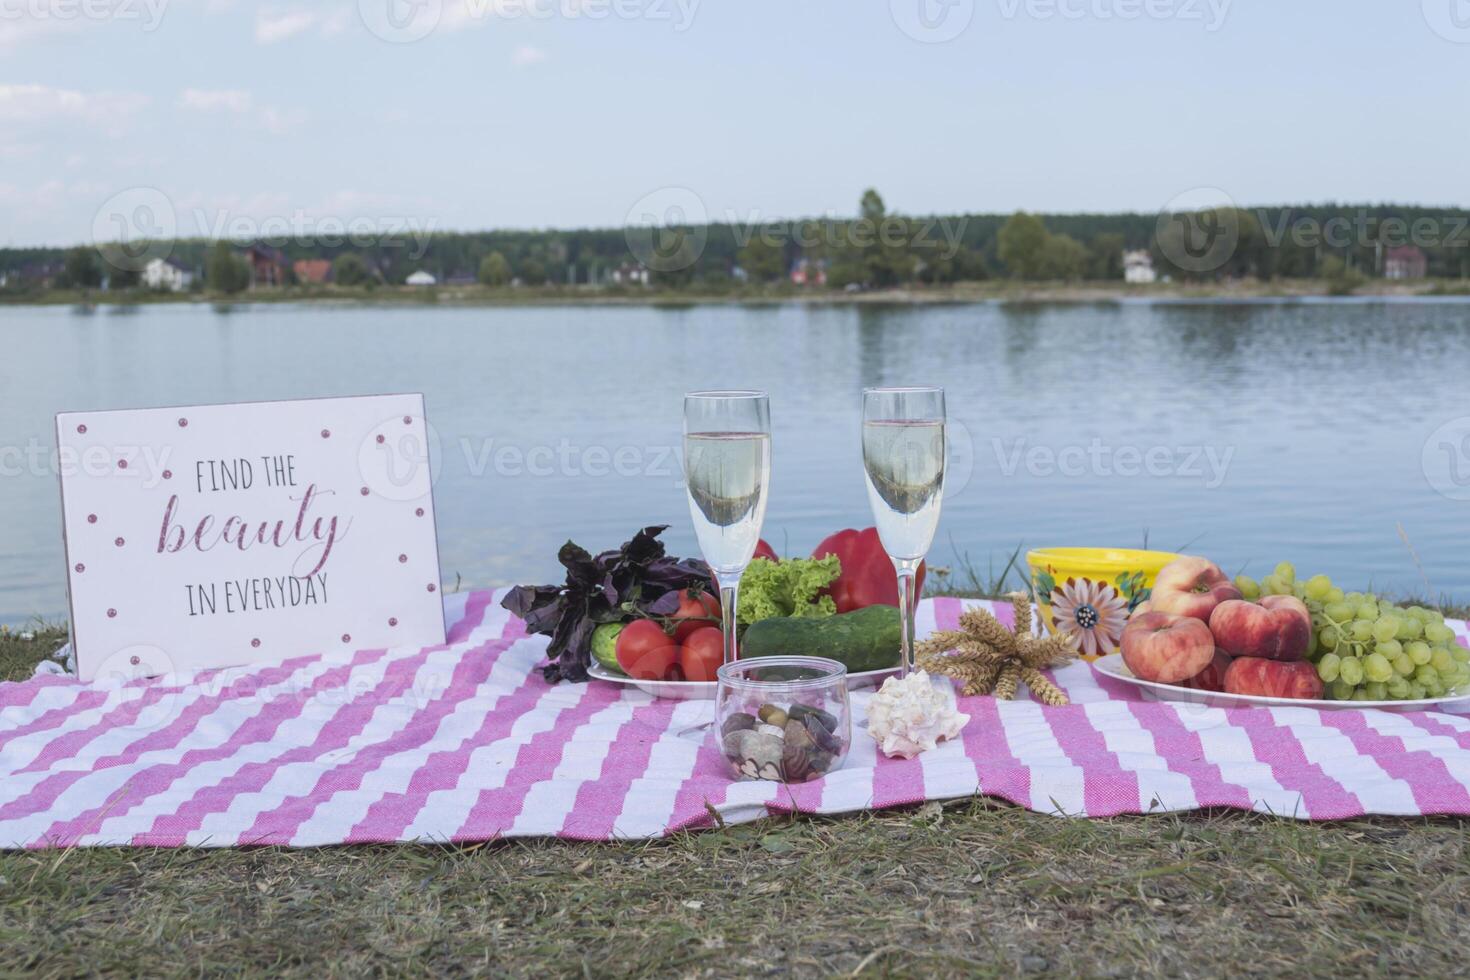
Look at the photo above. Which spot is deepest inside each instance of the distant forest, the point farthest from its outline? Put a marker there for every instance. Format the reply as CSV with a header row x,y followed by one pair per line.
x,y
875,249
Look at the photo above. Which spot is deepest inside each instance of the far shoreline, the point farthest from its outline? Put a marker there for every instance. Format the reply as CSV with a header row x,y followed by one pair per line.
x,y
990,291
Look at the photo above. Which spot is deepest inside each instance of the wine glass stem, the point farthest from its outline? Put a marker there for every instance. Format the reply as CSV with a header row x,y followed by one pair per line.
x,y
908,601
727,618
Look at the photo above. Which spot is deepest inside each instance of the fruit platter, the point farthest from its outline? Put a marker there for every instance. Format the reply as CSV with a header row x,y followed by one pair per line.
x,y
640,617
1204,637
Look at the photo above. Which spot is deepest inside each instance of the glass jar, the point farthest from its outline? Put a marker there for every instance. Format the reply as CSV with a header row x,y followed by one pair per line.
x,y
785,719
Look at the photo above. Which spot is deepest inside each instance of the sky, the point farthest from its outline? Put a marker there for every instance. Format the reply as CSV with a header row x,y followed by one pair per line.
x,y
227,117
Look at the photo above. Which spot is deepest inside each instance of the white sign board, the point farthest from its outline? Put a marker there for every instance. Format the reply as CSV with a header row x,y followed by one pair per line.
x,y
224,535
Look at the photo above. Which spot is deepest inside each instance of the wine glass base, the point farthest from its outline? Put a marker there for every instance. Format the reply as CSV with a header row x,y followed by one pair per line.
x,y
696,733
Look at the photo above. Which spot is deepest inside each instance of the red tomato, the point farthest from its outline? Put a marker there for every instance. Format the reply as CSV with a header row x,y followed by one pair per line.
x,y
764,550
695,614
702,654
645,651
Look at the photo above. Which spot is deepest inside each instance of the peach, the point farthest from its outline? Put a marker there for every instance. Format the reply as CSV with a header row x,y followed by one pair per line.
x,y
1212,678
1167,649
1277,628
1273,678
1190,586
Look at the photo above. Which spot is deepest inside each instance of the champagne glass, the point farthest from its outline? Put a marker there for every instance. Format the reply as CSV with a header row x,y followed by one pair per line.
x,y
903,454
727,469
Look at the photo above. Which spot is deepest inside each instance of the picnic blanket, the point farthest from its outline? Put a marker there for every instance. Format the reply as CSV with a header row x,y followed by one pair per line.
x,y
467,742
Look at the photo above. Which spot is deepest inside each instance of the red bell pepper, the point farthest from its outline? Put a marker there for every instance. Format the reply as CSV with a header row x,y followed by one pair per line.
x,y
868,577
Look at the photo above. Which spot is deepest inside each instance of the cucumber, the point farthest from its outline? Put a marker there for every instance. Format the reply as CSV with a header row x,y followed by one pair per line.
x,y
864,639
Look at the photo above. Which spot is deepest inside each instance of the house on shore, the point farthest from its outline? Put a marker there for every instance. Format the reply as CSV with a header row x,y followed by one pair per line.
x,y
312,272
808,273
1138,268
1405,262
628,274
33,275
268,266
167,275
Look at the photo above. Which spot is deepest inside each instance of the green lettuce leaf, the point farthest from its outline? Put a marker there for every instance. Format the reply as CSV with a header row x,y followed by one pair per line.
x,y
771,589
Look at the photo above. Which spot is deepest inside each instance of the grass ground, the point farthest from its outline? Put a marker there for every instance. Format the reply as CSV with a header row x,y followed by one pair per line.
x,y
972,887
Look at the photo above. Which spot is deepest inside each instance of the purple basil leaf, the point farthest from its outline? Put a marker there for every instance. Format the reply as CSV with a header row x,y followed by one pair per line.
x,y
581,569
645,546
666,604
538,605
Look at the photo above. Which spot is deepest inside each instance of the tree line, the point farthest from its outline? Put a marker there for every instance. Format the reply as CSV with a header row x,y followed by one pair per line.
x,y
875,249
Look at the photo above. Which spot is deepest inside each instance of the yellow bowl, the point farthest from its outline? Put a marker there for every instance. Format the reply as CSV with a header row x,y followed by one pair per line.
x,y
1087,594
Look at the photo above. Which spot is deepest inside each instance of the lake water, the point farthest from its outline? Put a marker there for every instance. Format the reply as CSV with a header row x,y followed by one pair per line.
x,y
1249,432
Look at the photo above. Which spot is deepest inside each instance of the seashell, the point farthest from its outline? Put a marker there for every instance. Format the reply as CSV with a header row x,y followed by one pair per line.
x,y
740,721
821,735
757,755
800,711
772,729
796,751
911,715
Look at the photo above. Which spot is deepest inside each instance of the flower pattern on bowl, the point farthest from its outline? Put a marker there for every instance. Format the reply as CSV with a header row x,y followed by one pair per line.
x,y
1089,612
1091,615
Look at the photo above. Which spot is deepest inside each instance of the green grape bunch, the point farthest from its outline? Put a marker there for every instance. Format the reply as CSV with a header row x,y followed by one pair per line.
x,y
1365,647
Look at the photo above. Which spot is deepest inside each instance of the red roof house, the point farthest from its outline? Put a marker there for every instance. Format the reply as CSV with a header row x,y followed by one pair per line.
x,y
312,271
267,266
1405,262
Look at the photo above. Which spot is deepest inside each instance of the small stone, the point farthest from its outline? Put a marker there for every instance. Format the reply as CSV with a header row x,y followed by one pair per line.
x,y
738,722
1032,963
775,730
772,715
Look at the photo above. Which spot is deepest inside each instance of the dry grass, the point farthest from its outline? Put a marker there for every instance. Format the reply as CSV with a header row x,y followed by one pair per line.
x,y
969,888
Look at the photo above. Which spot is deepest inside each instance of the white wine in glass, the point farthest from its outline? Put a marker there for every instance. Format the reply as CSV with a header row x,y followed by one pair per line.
x,y
727,469
903,455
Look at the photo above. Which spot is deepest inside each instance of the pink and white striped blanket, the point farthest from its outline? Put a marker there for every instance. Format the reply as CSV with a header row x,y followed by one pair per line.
x,y
466,742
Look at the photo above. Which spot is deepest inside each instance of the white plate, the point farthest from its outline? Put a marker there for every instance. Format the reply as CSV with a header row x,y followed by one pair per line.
x,y
705,690
1112,665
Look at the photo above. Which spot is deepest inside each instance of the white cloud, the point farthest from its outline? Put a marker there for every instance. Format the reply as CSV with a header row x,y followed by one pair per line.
x,y
273,27
525,55
280,121
27,21
45,195
336,21
18,151
216,100
279,24
40,103
239,102
14,33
